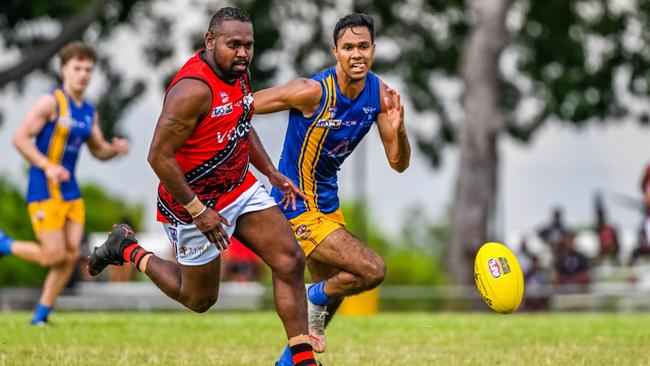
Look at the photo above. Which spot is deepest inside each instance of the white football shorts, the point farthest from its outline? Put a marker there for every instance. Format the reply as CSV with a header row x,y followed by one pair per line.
x,y
192,248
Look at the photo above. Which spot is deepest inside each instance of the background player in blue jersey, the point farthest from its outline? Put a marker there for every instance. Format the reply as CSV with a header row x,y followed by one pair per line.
x,y
330,112
50,138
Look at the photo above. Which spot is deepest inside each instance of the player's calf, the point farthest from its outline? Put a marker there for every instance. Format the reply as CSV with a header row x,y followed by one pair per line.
x,y
200,304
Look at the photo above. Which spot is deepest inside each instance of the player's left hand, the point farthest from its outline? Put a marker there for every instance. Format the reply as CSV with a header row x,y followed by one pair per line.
x,y
286,185
394,109
120,145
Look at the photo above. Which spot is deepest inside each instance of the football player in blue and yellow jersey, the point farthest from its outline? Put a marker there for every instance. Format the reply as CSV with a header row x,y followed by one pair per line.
x,y
50,139
329,113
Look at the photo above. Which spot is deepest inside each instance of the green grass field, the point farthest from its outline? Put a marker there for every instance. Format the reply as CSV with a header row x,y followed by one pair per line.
x,y
392,339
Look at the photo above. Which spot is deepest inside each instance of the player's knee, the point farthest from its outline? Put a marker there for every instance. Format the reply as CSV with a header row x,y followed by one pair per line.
x,y
202,304
375,275
72,255
52,259
291,264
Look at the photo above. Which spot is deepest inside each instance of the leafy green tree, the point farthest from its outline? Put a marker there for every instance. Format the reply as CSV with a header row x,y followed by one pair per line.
x,y
26,30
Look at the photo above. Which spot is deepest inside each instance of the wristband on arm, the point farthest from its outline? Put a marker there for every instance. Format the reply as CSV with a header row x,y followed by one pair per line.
x,y
195,207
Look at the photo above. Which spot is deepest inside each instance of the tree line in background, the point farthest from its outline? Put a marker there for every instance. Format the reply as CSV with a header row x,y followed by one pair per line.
x,y
516,65
411,257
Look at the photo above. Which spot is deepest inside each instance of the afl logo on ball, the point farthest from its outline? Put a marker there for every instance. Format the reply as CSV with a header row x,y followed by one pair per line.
x,y
494,268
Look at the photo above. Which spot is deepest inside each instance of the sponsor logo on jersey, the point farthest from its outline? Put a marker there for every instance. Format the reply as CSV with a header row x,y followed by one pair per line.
x,y
224,97
222,110
494,267
70,122
248,100
235,133
368,110
329,123
332,111
344,148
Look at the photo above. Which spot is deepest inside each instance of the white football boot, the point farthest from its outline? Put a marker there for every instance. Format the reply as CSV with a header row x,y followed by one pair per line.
x,y
316,317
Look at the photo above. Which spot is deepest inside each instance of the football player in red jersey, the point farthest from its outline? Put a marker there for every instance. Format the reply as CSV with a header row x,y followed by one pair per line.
x,y
200,152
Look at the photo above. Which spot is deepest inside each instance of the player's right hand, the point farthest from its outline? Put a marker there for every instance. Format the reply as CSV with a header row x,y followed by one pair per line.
x,y
210,224
57,173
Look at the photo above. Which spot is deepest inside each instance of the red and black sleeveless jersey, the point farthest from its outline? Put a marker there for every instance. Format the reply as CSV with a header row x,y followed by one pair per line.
x,y
215,157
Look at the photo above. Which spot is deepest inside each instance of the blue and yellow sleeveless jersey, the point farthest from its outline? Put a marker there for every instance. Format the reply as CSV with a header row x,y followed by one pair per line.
x,y
61,140
315,147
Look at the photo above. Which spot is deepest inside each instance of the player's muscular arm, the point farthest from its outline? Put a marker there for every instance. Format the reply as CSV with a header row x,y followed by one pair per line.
x,y
392,131
301,94
34,121
37,116
102,149
186,102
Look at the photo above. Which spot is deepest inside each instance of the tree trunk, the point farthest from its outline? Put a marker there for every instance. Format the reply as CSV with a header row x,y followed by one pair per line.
x,y
476,183
40,56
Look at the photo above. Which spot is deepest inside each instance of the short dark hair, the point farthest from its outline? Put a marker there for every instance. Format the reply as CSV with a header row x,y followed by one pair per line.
x,y
354,20
78,50
228,13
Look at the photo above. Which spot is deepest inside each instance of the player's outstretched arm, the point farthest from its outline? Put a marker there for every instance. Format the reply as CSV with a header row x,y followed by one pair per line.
x,y
37,116
102,149
392,131
185,104
261,161
301,94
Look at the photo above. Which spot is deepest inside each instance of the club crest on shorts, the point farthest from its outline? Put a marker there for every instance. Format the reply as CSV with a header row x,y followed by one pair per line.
x,y
302,232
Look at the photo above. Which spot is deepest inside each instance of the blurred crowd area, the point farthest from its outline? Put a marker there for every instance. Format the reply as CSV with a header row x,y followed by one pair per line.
x,y
559,259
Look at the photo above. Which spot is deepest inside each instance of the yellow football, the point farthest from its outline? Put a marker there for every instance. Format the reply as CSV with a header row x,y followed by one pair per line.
x,y
498,277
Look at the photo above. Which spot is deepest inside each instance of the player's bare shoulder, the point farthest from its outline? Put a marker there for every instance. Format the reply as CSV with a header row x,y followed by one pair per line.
x,y
185,103
383,93
189,90
306,94
45,106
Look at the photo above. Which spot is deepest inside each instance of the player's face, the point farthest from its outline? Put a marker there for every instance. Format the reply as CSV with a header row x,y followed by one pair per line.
x,y
355,51
231,47
76,74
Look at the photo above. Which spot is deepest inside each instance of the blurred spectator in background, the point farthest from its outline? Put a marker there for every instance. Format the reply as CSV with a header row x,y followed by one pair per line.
x,y
536,279
608,244
240,264
642,248
554,234
645,186
571,266
643,238
524,256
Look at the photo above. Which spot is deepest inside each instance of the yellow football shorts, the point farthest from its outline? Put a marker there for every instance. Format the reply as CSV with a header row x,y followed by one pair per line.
x,y
51,215
311,228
